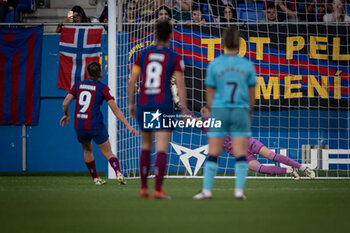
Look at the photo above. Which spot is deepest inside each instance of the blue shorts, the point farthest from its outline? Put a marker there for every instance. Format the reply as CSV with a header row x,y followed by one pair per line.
x,y
234,121
155,118
98,135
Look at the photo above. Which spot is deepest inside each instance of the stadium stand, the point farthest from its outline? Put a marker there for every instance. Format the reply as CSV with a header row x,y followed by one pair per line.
x,y
251,12
11,16
206,15
26,5
54,11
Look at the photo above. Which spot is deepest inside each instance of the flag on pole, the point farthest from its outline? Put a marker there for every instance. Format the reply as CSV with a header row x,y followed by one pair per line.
x,y
20,75
78,47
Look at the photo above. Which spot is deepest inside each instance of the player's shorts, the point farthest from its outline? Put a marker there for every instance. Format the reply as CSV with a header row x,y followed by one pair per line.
x,y
254,147
98,135
234,121
155,118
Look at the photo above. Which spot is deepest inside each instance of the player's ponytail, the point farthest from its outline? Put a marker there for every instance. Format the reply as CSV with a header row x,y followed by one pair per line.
x,y
94,70
231,38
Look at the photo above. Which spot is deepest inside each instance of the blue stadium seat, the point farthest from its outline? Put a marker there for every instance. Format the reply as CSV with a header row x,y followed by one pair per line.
x,y
347,9
252,12
26,5
252,6
206,15
11,17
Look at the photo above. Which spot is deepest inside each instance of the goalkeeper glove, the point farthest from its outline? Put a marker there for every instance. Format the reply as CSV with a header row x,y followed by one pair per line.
x,y
176,98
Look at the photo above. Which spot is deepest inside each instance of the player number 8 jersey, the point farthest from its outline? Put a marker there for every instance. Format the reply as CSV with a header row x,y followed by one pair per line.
x,y
157,67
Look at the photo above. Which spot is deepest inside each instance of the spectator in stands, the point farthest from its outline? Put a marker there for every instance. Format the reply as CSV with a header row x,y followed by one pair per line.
x,y
147,8
317,9
101,9
197,16
6,6
338,14
163,13
216,7
289,9
270,13
78,16
131,13
228,15
181,9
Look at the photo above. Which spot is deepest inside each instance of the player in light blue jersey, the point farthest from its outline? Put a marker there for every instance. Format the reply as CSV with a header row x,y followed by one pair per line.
x,y
230,82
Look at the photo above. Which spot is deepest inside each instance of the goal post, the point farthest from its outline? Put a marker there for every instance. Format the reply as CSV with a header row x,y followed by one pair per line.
x,y
302,93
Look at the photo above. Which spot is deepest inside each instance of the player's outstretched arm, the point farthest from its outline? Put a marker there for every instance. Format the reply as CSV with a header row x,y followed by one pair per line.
x,y
176,99
119,114
65,105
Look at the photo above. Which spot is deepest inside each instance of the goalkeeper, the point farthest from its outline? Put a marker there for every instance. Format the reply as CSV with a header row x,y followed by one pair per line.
x,y
254,147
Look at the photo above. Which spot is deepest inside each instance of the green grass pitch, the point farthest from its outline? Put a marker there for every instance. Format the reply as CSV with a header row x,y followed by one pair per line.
x,y
65,204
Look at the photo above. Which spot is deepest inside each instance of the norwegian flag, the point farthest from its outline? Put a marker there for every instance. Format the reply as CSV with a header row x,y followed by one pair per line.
x,y
78,47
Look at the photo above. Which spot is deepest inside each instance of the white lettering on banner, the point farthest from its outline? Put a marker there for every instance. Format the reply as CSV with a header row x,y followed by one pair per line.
x,y
324,158
326,161
185,154
312,165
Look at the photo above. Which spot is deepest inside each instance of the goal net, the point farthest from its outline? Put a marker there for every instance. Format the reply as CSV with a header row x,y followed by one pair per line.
x,y
302,92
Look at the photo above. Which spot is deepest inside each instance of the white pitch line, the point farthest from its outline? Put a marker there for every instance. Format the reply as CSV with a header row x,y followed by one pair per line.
x,y
248,177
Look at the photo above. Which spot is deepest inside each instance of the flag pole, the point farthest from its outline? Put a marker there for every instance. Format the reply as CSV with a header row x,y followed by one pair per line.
x,y
24,148
112,74
120,12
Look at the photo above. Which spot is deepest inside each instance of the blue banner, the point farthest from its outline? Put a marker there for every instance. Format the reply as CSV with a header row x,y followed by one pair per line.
x,y
20,75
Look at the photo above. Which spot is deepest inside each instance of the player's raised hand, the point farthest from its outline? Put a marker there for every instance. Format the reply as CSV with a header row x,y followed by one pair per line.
x,y
132,130
64,120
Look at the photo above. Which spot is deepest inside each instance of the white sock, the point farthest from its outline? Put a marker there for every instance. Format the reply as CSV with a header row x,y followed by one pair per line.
x,y
238,192
206,192
289,169
303,167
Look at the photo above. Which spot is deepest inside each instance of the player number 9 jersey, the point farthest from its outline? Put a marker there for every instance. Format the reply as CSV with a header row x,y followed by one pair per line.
x,y
90,96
